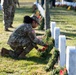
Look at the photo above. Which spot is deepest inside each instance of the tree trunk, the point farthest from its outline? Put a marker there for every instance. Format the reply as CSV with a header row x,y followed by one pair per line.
x,y
47,15
37,1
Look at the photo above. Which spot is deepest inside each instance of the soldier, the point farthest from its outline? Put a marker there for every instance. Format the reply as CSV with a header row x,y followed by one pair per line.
x,y
24,39
17,2
13,8
8,7
12,12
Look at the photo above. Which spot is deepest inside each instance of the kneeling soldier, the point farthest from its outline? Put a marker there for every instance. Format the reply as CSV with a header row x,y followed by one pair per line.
x,y
24,39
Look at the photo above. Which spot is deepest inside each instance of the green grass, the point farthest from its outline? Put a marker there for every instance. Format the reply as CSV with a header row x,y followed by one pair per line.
x,y
65,19
33,64
27,0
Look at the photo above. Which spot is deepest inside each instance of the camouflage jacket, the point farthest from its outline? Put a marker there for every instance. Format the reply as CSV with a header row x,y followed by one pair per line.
x,y
17,2
7,3
23,35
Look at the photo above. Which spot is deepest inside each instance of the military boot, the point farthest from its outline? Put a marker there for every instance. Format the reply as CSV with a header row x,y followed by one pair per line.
x,y
4,52
22,55
11,26
12,54
6,29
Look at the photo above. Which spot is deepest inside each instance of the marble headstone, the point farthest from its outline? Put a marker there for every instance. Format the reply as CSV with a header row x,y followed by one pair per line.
x,y
62,50
53,25
56,36
71,60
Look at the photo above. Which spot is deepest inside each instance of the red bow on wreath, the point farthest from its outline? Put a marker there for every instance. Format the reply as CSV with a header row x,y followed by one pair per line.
x,y
63,72
44,48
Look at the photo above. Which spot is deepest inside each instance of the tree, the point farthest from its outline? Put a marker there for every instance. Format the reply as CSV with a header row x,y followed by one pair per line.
x,y
74,0
71,0
47,15
37,1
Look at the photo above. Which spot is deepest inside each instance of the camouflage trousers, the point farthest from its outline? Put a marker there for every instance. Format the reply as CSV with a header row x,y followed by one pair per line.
x,y
8,15
21,50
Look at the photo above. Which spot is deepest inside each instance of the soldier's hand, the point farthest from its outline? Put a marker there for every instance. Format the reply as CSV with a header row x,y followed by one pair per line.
x,y
40,50
43,49
46,45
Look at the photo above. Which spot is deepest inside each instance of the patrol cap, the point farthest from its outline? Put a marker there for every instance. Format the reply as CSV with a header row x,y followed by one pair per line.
x,y
35,18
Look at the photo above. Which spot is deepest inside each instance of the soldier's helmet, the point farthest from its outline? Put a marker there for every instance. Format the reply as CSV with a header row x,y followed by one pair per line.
x,y
35,18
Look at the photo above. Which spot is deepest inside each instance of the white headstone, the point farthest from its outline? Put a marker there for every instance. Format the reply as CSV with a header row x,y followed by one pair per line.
x,y
56,36
62,50
71,60
62,1
53,25
0,7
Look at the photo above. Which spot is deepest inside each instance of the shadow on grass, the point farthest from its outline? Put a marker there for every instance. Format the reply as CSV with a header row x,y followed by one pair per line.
x,y
61,11
24,10
74,30
38,34
63,21
9,31
39,60
68,34
68,26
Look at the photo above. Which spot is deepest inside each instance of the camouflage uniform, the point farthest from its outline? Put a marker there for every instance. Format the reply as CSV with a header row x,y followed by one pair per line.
x,y
17,2
13,7
7,7
23,39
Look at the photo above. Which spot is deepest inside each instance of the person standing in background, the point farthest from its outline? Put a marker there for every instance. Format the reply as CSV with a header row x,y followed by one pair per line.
x,y
8,7
42,3
17,2
52,3
13,8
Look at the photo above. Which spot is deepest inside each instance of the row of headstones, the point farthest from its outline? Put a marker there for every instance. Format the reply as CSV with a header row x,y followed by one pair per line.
x,y
63,2
67,53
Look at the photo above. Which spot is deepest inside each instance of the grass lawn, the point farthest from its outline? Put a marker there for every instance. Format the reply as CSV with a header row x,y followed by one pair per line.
x,y
27,0
34,65
65,20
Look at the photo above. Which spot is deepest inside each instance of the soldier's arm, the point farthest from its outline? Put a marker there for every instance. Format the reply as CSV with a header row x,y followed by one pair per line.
x,y
34,39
